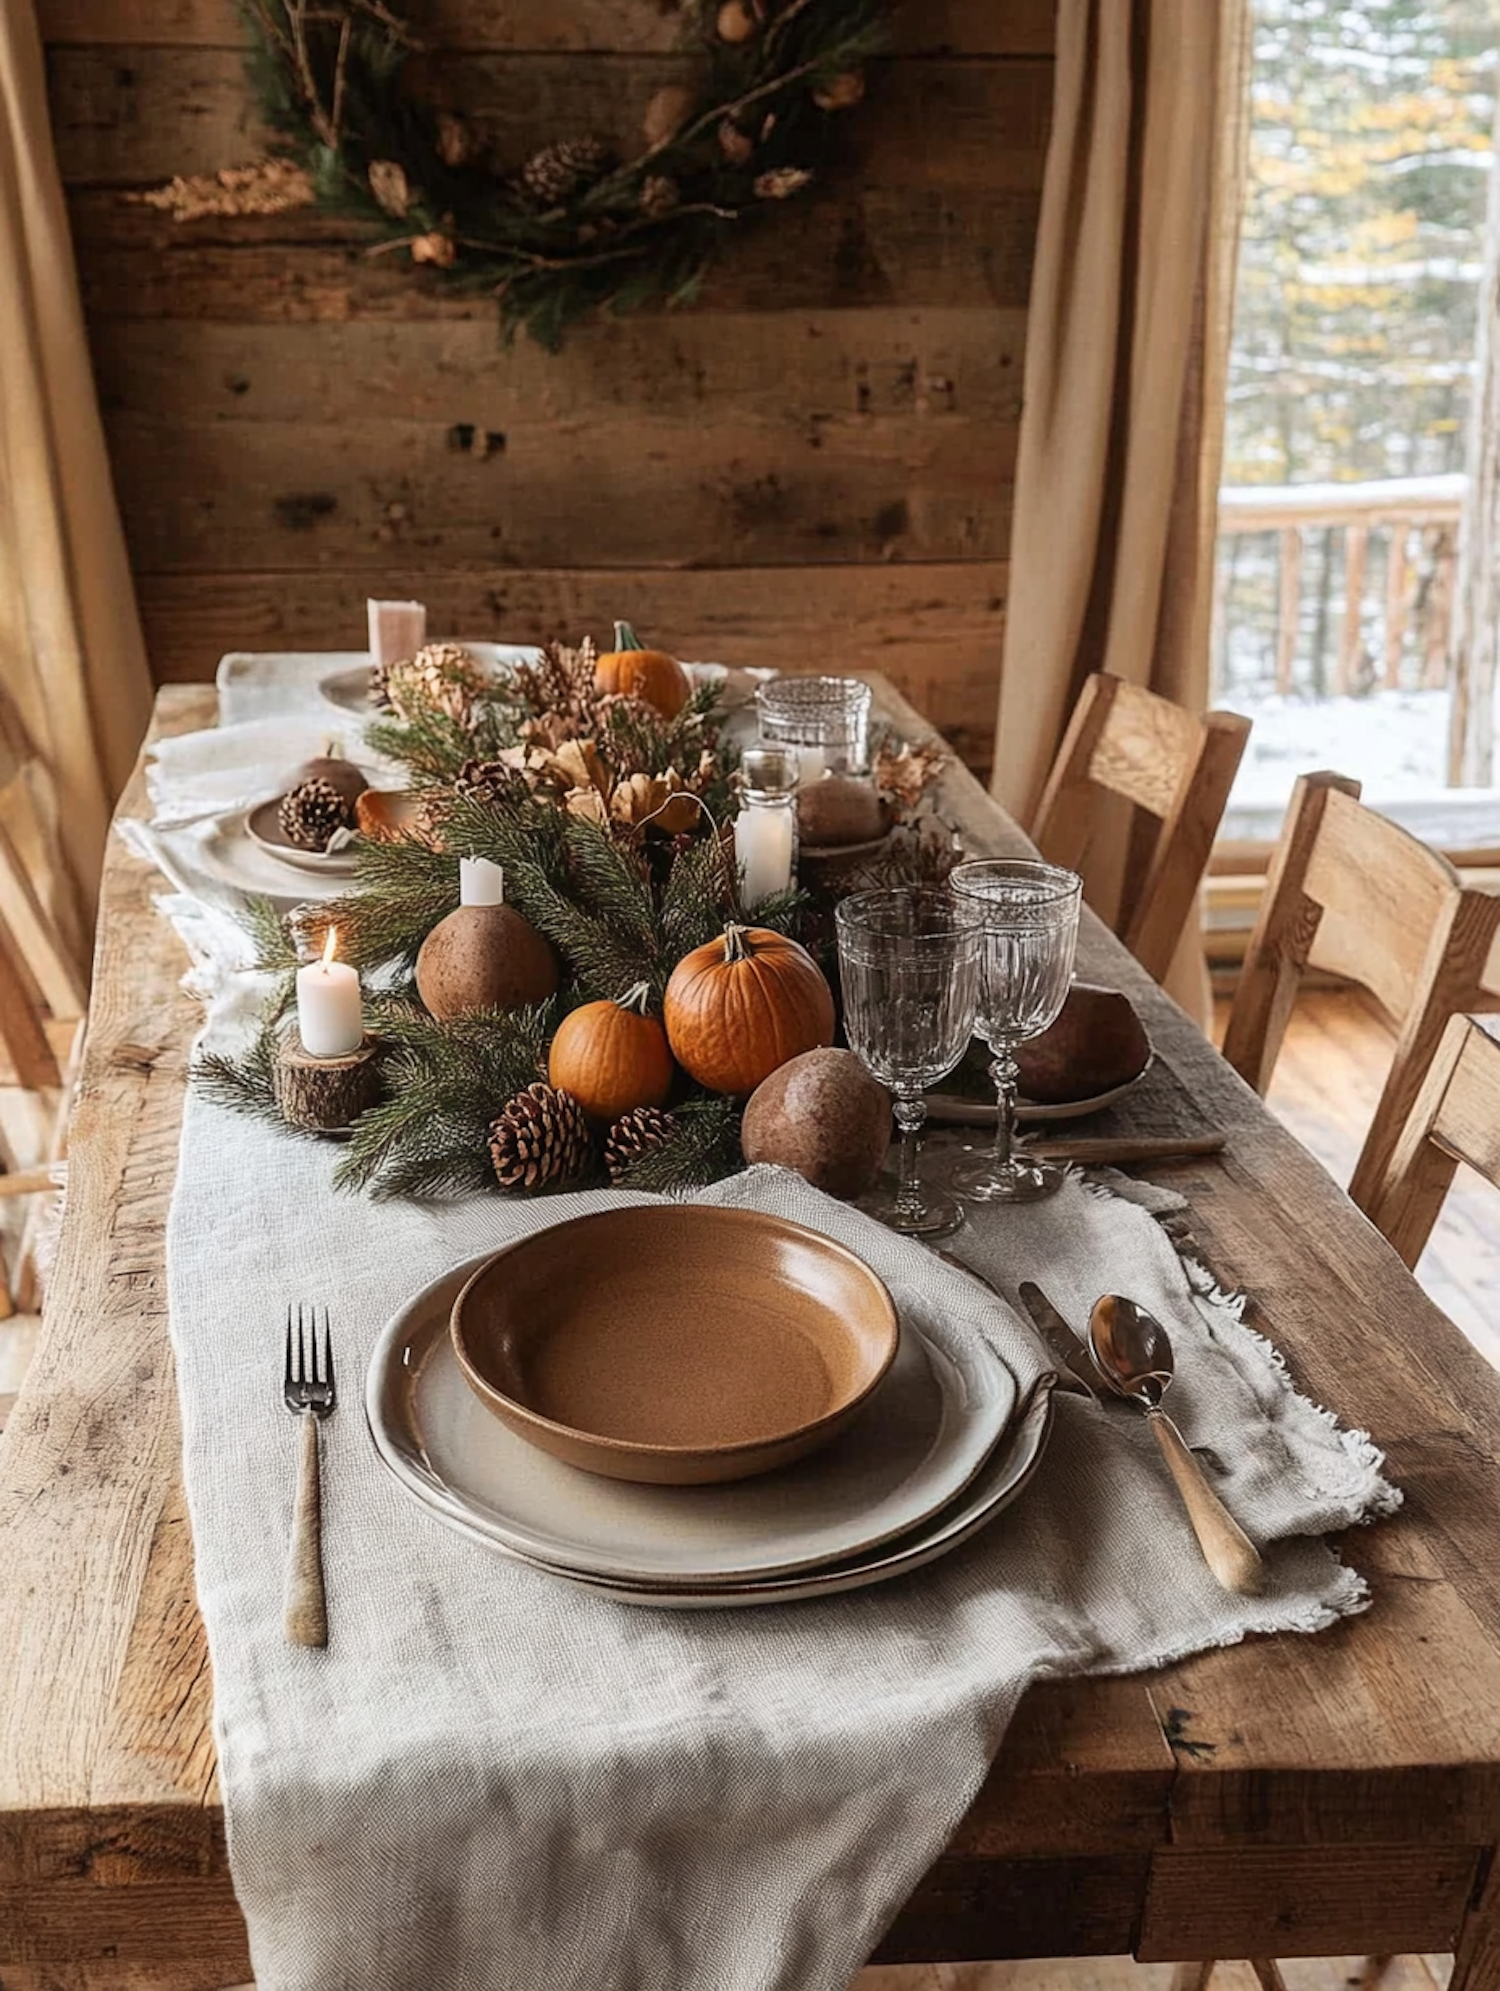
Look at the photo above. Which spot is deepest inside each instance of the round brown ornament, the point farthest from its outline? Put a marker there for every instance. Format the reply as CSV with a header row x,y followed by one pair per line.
x,y
484,957
824,1116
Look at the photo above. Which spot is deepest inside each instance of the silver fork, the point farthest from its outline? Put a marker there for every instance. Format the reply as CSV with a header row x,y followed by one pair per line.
x,y
308,1391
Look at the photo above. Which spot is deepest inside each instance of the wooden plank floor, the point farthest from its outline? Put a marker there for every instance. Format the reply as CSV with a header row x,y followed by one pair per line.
x,y
1328,1077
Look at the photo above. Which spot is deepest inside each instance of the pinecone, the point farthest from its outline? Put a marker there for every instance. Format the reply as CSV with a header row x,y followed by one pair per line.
x,y
311,812
541,1136
486,780
559,171
635,1134
441,677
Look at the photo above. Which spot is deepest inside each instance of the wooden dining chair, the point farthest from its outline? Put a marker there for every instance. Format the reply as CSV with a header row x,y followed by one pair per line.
x,y
1174,770
1456,1119
1352,893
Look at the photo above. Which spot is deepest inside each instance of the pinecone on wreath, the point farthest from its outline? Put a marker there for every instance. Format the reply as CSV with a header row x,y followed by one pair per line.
x,y
311,812
635,1134
557,172
541,1136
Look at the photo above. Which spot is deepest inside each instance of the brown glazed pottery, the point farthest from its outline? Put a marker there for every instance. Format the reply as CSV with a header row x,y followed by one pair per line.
x,y
677,1344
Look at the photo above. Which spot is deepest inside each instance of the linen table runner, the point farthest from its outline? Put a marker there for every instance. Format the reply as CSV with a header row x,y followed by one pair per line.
x,y
494,1781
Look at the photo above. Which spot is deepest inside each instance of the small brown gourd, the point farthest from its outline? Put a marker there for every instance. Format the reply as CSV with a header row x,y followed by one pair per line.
x,y
612,1056
484,957
742,1005
636,672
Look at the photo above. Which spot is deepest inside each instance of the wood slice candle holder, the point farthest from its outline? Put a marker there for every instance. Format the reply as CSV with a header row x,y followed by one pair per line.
x,y
325,1094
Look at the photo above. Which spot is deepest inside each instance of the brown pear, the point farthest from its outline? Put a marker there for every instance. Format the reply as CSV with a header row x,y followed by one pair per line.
x,y
824,1116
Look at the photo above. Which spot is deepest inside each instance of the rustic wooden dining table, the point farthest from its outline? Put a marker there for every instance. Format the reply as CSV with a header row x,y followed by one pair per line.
x,y
1327,1795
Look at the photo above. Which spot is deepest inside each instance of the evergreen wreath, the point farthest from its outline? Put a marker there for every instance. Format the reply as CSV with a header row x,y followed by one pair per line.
x,y
573,227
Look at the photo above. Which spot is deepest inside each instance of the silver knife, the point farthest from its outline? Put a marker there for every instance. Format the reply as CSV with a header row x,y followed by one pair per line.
x,y
1060,1338
1069,1380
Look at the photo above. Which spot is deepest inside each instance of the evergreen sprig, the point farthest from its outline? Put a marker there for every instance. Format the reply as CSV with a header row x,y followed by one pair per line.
x,y
703,1147
445,1083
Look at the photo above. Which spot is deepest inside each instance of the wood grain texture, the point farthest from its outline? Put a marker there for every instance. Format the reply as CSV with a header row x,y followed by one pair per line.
x,y
922,27
1338,1792
122,117
933,630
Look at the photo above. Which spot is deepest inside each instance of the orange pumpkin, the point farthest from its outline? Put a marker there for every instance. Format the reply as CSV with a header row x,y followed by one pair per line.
x,y
636,672
612,1056
738,1008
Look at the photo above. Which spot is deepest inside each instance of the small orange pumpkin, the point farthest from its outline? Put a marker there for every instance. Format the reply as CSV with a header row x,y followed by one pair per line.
x,y
636,672
612,1056
738,1008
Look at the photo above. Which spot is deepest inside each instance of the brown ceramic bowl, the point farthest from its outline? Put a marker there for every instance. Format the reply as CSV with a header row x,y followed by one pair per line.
x,y
677,1343
386,814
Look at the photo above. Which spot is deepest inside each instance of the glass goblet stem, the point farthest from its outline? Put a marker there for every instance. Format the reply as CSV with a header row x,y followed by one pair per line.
x,y
910,1205
1007,1074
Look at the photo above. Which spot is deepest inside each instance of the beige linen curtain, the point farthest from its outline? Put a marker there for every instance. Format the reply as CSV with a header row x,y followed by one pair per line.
x,y
1127,339
75,691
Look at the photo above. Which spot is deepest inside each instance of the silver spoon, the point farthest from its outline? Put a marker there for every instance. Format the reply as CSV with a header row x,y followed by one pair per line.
x,y
1134,1354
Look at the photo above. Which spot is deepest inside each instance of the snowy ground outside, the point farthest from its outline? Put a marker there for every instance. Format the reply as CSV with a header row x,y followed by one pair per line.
x,y
1394,742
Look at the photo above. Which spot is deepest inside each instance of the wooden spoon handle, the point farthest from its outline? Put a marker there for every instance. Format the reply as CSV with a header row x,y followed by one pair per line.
x,y
1227,1549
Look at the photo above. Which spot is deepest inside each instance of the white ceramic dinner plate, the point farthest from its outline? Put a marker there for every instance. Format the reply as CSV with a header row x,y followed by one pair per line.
x,y
950,1110
1004,1476
925,1434
232,856
263,827
349,688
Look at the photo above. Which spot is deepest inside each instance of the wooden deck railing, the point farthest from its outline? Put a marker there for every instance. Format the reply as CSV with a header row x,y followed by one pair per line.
x,y
1396,507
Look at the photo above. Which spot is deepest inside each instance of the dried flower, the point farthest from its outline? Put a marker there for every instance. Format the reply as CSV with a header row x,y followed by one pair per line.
x,y
841,92
737,146
391,188
659,195
903,777
782,182
436,249
269,186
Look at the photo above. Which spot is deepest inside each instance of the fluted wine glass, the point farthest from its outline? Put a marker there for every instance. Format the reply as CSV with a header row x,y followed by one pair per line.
x,y
909,966
1029,913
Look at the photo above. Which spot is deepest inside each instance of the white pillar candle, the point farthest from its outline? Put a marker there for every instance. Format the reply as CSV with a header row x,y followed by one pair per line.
x,y
397,629
481,882
763,846
814,765
330,1019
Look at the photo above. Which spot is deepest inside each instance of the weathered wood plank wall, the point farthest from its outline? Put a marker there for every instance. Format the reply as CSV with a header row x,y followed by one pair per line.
x,y
812,467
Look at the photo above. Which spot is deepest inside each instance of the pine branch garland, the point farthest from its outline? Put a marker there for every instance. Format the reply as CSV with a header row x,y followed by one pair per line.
x,y
703,1147
446,1082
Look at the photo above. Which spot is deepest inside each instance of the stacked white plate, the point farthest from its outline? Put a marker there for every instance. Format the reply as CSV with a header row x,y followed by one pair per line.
x,y
946,1441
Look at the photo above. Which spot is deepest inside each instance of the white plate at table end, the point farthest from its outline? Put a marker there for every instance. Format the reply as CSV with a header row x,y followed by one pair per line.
x,y
228,853
929,1429
1003,1478
263,827
949,1110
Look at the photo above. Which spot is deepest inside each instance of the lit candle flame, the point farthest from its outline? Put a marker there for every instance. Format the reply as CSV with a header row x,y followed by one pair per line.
x,y
330,945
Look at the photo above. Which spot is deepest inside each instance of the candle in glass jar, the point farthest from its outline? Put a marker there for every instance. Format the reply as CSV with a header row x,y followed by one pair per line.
x,y
764,845
330,1018
481,882
814,764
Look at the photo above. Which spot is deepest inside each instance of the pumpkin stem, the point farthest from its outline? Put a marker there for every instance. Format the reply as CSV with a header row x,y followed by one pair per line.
x,y
626,638
736,942
635,997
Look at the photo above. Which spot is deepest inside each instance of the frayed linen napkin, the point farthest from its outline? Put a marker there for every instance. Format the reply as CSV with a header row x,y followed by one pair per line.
x,y
493,1779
